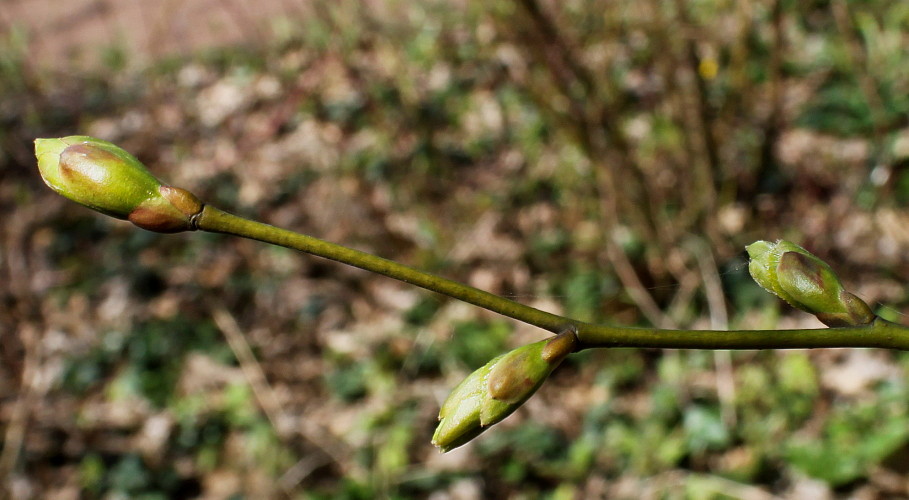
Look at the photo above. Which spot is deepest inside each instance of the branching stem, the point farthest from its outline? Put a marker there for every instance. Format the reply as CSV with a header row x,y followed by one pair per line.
x,y
880,333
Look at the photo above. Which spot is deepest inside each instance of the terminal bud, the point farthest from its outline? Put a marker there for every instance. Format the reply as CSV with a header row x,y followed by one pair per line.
x,y
104,177
806,282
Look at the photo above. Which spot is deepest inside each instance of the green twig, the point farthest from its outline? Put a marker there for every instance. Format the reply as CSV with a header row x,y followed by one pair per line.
x,y
879,333
218,221
106,178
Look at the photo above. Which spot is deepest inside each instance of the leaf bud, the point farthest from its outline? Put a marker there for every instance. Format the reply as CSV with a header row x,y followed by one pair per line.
x,y
498,388
105,178
806,282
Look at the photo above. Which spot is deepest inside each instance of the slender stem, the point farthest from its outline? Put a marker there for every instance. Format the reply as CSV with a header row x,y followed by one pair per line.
x,y
880,333
218,221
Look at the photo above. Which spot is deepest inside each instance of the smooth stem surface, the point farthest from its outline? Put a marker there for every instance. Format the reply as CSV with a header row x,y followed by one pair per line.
x,y
880,333
218,221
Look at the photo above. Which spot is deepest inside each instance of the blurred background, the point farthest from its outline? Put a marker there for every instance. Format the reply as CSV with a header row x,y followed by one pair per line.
x,y
608,160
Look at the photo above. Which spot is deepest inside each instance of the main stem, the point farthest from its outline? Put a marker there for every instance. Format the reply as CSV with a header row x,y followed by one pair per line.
x,y
880,333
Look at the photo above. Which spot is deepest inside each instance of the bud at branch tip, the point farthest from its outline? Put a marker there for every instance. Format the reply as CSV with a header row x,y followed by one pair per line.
x,y
104,177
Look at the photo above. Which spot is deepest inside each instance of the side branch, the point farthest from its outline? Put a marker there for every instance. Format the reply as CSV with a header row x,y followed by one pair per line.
x,y
218,221
879,333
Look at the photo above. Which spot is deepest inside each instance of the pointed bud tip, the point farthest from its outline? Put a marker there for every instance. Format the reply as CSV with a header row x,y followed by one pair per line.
x,y
498,388
758,248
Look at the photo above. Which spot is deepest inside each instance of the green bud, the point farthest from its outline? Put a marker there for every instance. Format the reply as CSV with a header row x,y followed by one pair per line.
x,y
459,417
104,177
497,389
806,282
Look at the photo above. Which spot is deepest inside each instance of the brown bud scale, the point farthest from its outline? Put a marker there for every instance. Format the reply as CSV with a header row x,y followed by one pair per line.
x,y
560,346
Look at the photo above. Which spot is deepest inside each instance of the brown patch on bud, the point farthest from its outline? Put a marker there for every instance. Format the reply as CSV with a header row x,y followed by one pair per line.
x,y
83,160
507,380
171,213
560,346
153,219
795,262
182,200
857,313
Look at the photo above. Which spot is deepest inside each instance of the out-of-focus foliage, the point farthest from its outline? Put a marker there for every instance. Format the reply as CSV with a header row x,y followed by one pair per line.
x,y
605,159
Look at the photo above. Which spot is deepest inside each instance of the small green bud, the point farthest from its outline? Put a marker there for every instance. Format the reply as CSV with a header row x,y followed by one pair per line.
x,y
104,177
497,389
459,417
806,282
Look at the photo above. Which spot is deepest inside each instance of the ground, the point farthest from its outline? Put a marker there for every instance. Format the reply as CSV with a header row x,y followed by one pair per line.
x,y
606,160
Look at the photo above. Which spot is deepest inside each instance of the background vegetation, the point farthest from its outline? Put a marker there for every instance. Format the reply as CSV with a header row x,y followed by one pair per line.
x,y
605,159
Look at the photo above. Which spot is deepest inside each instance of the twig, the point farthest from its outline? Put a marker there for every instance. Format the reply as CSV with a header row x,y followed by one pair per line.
x,y
877,333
